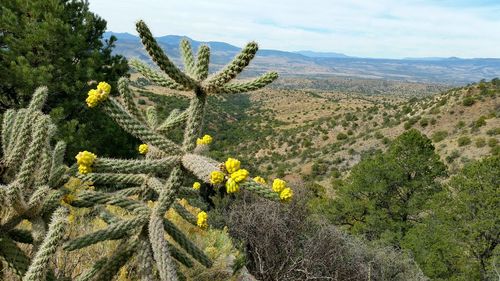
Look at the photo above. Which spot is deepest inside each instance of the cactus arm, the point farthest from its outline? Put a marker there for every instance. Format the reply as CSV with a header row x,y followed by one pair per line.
x,y
114,231
161,59
108,165
200,166
113,178
187,57
235,67
161,253
194,122
242,87
134,127
185,214
145,261
152,117
38,100
202,62
179,255
25,176
155,77
173,120
38,267
185,243
13,256
128,99
8,123
21,236
107,268
261,190
91,198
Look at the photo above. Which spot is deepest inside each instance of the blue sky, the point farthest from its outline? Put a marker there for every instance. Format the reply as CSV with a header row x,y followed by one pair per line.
x,y
366,28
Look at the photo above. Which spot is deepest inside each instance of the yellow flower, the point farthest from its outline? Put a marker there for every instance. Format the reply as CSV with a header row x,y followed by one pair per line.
x,y
232,165
286,194
232,186
216,177
239,175
143,148
206,140
260,180
85,158
93,98
196,185
82,169
104,88
279,185
202,220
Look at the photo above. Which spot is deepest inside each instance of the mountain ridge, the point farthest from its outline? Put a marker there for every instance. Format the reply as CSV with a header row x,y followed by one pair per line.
x,y
450,71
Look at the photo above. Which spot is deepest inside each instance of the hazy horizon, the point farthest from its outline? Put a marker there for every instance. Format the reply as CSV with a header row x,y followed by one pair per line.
x,y
386,29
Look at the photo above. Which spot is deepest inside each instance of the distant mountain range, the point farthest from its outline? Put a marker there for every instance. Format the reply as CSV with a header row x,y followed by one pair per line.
x,y
452,71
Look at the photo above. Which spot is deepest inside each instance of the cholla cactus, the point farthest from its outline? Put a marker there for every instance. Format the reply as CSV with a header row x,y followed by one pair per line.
x,y
148,187
32,177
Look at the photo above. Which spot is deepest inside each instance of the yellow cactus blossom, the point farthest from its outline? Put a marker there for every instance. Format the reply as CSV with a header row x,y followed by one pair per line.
x,y
232,165
239,175
286,194
206,140
216,177
82,169
104,89
260,180
196,185
143,148
232,186
85,158
279,185
93,98
202,219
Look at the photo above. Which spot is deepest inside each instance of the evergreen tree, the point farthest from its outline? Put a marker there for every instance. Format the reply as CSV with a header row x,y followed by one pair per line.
x,y
458,239
386,193
58,43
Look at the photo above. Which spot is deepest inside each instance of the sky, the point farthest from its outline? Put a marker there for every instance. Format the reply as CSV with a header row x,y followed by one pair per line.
x,y
364,28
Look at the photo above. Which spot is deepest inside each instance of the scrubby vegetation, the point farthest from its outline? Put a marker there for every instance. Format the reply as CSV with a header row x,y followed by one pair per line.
x,y
359,179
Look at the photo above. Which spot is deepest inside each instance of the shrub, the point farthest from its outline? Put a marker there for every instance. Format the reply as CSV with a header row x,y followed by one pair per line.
x,y
424,122
492,142
468,101
452,156
463,141
480,142
439,136
276,235
341,136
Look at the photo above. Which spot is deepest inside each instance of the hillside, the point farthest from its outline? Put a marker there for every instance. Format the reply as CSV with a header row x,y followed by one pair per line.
x,y
451,71
319,134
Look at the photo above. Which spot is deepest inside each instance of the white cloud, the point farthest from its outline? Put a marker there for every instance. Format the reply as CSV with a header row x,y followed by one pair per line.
x,y
383,28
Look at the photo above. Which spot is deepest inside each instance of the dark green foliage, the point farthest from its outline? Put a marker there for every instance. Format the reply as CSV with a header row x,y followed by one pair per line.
x,y
439,136
453,155
341,136
424,122
59,44
480,142
468,101
386,192
463,141
458,239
